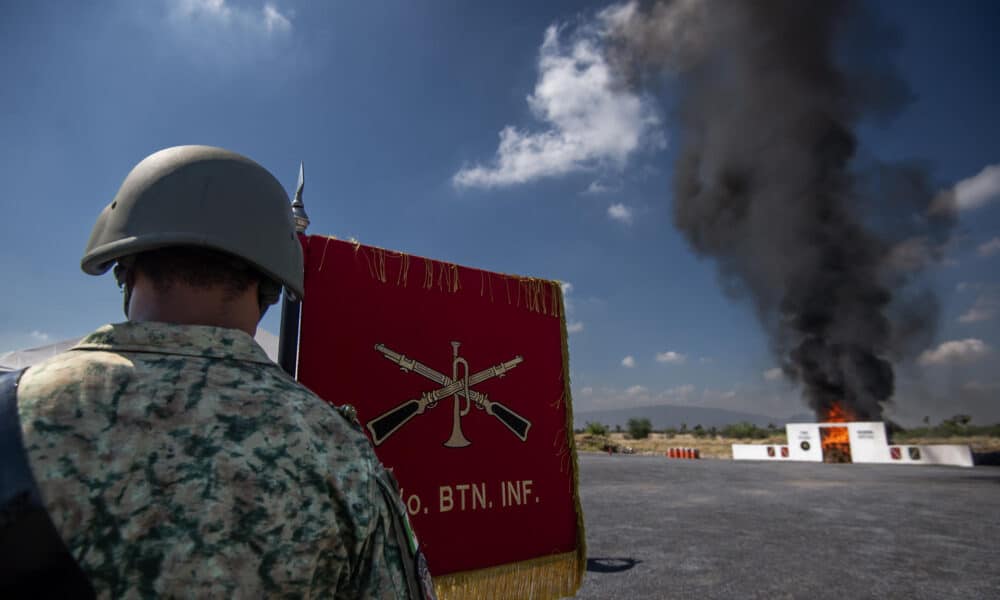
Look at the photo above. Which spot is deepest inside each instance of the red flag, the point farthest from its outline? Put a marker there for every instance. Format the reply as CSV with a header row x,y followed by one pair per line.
x,y
460,379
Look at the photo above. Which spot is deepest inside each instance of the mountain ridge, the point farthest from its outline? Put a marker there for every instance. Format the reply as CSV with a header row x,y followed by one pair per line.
x,y
663,416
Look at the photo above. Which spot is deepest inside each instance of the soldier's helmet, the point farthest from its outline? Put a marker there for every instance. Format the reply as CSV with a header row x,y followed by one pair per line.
x,y
204,197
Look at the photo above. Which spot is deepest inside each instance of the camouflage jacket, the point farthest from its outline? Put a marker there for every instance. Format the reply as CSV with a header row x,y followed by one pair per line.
x,y
180,461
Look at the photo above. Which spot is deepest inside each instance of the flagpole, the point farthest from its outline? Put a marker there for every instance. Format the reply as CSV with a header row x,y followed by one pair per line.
x,y
288,338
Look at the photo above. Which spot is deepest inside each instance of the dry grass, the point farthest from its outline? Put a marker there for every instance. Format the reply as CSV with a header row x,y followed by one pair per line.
x,y
978,443
720,447
657,443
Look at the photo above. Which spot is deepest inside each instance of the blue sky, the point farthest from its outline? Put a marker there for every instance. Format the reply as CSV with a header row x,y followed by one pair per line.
x,y
462,131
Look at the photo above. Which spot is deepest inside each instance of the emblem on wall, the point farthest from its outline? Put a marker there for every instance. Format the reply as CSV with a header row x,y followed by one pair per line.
x,y
458,386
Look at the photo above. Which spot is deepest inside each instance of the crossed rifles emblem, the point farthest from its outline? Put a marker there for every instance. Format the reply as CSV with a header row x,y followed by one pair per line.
x,y
386,424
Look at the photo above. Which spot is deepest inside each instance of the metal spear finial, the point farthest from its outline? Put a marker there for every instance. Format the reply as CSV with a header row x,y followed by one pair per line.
x,y
298,209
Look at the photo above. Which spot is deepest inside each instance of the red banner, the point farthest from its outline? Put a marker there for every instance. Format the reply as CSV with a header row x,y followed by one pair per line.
x,y
459,377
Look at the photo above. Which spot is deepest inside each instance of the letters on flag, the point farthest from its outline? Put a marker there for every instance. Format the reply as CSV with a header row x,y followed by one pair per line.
x,y
460,379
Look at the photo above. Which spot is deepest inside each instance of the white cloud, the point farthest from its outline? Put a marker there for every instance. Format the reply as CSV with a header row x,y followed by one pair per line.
x,y
986,306
587,391
682,390
989,248
274,20
977,314
773,374
221,16
590,121
40,336
571,326
953,352
970,193
628,362
620,212
597,187
979,189
635,390
670,357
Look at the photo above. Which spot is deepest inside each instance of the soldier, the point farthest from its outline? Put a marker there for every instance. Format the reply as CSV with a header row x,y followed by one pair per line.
x,y
172,457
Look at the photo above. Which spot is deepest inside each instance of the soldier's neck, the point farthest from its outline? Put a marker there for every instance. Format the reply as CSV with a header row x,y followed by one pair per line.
x,y
189,305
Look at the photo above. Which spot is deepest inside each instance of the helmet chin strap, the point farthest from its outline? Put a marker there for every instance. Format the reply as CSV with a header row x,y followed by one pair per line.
x,y
122,269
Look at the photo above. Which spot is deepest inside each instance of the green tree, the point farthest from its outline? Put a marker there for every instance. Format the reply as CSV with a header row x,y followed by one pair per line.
x,y
596,428
639,429
744,430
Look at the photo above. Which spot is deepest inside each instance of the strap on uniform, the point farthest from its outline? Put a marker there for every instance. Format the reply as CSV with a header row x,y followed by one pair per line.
x,y
34,561
418,578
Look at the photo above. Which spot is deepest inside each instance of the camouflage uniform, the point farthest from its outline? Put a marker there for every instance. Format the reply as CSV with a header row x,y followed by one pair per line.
x,y
178,460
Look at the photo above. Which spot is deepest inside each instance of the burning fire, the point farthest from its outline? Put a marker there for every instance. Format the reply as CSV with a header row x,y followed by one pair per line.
x,y
837,414
836,441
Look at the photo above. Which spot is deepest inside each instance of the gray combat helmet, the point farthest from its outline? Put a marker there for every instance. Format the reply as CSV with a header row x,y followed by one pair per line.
x,y
200,196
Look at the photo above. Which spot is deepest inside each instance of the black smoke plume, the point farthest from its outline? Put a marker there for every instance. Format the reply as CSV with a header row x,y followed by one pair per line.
x,y
768,183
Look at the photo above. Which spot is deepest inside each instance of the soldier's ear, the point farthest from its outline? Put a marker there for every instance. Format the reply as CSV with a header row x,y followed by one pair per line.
x,y
125,277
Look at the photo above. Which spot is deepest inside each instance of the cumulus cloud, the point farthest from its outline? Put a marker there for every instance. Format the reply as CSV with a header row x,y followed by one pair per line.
x,y
955,352
40,336
628,362
587,391
989,248
589,120
670,358
979,189
222,16
773,374
620,212
636,390
574,327
971,193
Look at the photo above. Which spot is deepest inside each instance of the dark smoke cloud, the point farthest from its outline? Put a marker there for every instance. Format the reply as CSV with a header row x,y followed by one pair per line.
x,y
767,181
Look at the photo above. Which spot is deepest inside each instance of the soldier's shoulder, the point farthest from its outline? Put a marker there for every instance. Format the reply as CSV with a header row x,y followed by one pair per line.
x,y
334,420
69,368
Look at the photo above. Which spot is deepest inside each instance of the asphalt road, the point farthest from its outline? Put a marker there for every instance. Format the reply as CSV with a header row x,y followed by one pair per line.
x,y
660,528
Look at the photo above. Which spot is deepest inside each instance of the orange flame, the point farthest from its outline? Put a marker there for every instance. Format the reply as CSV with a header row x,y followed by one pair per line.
x,y
835,440
838,414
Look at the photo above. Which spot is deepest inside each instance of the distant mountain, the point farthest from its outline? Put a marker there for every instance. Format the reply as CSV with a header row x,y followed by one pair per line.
x,y
664,416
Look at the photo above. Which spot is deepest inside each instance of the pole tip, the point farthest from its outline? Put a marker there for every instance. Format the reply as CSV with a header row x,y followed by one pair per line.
x,y
298,208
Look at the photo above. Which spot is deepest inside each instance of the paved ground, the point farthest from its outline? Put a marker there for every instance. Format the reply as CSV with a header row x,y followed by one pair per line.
x,y
659,528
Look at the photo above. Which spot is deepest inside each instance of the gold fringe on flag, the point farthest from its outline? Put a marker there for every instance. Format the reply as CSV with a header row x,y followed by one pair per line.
x,y
581,535
543,578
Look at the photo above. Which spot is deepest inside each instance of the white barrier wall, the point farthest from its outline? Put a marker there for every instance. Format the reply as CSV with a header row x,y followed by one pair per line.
x,y
760,452
868,442
943,454
804,442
